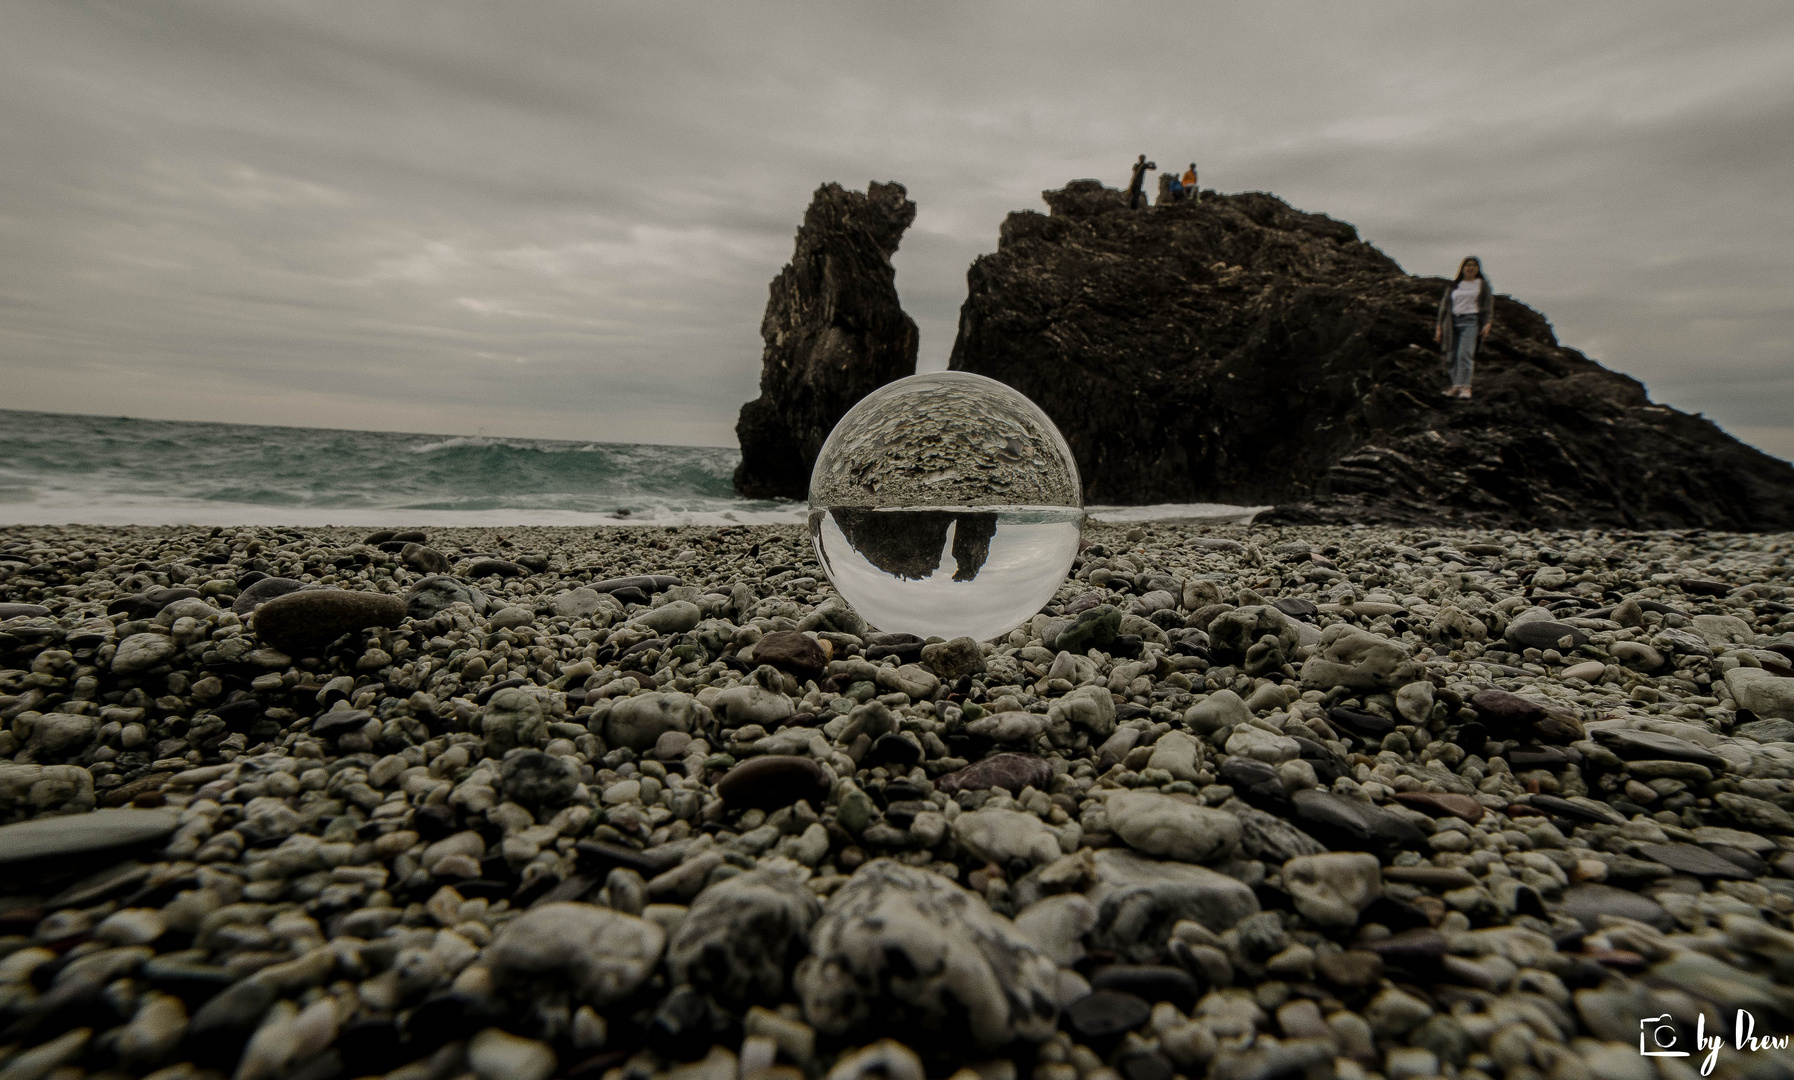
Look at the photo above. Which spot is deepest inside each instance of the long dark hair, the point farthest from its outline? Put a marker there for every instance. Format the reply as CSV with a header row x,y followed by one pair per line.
x,y
1479,269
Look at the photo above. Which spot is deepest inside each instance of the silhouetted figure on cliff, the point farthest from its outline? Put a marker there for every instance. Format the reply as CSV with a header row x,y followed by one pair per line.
x,y
1466,312
1189,181
1135,188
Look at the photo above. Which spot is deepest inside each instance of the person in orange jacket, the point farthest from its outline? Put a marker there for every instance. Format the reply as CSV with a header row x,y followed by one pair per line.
x,y
1189,182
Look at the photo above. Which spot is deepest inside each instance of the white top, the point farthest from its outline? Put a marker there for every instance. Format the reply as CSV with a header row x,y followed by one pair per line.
x,y
1465,296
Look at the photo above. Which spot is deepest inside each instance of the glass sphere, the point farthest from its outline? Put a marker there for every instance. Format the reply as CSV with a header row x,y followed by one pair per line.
x,y
946,504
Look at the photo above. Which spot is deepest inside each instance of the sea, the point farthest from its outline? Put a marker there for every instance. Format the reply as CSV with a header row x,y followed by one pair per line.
x,y
61,469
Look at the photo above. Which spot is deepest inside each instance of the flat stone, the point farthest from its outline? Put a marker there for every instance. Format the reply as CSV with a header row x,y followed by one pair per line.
x,y
1268,837
1437,878
1587,903
1545,634
1255,781
1139,900
1746,860
1410,946
1738,838
1101,1014
1588,671
1151,982
304,622
677,617
146,604
263,591
1340,822
1165,826
773,781
1441,803
1765,693
22,611
1365,725
489,567
1587,810
1002,836
78,834
1524,758
1633,745
1692,859
1755,813
1766,731
1503,711
647,583
1011,772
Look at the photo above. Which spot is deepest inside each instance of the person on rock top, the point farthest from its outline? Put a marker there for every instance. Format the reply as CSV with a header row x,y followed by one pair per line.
x,y
1134,189
1189,180
1466,312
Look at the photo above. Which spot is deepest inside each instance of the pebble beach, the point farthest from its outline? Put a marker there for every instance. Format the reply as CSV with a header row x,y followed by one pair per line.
x,y
629,803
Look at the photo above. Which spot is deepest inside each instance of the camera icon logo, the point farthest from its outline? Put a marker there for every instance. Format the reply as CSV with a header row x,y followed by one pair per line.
x,y
1660,1031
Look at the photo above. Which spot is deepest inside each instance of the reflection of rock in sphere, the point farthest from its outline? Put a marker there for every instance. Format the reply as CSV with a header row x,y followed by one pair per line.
x,y
946,439
910,545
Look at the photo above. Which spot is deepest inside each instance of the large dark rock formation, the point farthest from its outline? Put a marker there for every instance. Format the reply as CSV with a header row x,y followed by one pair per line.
x,y
834,332
1240,351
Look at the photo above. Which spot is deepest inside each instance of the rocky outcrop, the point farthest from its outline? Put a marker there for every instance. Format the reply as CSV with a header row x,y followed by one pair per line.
x,y
1238,350
834,332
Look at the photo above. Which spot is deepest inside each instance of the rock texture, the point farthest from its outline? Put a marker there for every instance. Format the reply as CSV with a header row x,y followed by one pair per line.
x,y
834,332
1238,350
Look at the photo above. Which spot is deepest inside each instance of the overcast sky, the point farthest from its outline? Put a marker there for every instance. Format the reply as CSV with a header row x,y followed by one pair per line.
x,y
559,219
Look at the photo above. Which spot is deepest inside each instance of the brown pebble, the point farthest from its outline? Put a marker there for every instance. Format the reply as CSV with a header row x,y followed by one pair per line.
x,y
1010,771
1438,803
793,651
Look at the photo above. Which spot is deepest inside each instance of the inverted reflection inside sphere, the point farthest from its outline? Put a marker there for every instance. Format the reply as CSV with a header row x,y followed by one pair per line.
x,y
946,505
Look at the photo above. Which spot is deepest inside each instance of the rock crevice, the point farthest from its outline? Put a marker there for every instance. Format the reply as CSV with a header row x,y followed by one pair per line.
x,y
834,332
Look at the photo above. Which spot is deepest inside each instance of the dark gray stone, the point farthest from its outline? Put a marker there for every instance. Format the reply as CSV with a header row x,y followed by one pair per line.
x,y
1587,903
430,595
1347,824
1693,859
304,622
77,834
1652,746
537,779
1269,837
263,591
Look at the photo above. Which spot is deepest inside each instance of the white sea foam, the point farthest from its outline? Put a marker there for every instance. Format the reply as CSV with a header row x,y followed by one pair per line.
x,y
76,508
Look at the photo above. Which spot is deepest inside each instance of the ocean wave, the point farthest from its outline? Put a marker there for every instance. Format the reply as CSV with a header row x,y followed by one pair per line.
x,y
58,469
534,446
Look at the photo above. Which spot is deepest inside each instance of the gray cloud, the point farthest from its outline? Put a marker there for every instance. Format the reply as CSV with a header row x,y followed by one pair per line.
x,y
559,219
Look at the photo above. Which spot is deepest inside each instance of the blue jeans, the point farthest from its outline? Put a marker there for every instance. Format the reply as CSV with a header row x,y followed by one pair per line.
x,y
1463,358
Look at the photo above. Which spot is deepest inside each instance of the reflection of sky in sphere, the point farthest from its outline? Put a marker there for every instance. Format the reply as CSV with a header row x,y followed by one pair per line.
x,y
1030,552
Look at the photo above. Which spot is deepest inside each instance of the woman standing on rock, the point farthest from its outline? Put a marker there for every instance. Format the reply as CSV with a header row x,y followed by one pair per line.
x,y
1466,312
